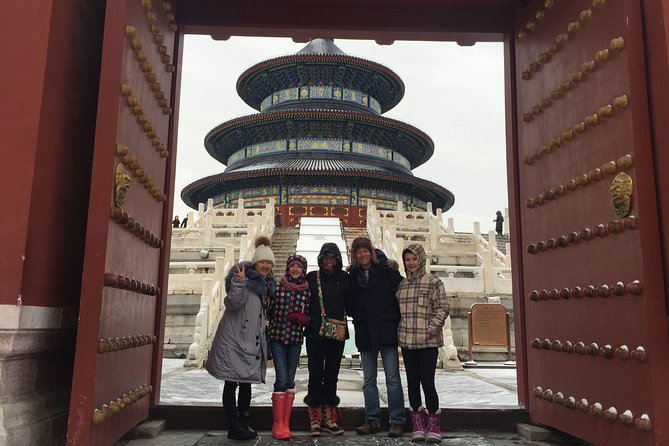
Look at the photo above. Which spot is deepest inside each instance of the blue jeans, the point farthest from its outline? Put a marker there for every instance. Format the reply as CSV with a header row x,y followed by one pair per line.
x,y
286,357
391,368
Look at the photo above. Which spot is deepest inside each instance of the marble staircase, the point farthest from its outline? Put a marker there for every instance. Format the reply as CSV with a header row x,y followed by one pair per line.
x,y
502,240
284,241
180,324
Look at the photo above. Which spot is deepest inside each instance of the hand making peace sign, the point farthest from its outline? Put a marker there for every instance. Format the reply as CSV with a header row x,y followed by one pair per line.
x,y
241,272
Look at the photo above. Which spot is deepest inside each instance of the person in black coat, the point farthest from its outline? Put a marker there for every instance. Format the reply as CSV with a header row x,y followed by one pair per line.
x,y
376,317
499,222
324,355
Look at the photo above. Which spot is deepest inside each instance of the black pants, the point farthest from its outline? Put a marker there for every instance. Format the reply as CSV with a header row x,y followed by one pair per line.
x,y
232,405
420,366
324,360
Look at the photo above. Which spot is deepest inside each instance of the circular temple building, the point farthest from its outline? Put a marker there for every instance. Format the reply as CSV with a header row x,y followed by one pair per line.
x,y
320,145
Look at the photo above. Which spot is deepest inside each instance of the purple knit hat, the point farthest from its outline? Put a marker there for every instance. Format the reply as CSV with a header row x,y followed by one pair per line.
x,y
297,258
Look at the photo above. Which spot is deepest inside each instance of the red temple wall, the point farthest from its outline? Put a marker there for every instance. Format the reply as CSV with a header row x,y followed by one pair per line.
x,y
50,99
351,216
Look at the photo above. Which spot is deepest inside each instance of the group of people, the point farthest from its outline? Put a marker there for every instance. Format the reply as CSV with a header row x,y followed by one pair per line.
x,y
179,224
267,319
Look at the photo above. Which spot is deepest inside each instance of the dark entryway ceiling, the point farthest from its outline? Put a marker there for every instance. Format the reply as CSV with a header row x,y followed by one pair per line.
x,y
468,21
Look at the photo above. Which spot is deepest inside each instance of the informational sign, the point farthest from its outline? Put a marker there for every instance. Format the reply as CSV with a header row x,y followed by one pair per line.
x,y
488,327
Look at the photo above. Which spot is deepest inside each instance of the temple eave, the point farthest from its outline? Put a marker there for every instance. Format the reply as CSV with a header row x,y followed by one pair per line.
x,y
282,125
271,67
216,184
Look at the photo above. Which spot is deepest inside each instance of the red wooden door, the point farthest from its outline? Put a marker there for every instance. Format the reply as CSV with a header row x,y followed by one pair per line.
x,y
118,339
593,304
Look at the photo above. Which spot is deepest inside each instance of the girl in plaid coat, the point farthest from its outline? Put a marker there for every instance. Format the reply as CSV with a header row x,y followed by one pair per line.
x,y
288,314
423,306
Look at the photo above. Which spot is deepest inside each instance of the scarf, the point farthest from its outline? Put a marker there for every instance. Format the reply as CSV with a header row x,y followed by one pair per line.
x,y
293,285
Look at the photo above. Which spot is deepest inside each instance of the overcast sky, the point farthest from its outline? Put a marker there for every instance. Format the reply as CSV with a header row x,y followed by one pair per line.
x,y
454,94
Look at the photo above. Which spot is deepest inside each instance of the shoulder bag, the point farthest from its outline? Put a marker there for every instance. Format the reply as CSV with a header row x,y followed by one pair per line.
x,y
330,328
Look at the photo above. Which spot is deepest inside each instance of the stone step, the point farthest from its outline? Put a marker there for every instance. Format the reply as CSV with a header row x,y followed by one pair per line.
x,y
183,304
180,320
183,298
179,338
175,350
284,241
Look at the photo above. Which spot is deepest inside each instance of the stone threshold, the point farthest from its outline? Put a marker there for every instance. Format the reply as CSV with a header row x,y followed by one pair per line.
x,y
494,418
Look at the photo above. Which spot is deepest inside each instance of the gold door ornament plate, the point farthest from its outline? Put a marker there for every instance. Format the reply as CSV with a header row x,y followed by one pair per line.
x,y
122,185
621,194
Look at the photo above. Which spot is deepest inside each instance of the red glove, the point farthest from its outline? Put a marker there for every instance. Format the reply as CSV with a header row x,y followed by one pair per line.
x,y
300,319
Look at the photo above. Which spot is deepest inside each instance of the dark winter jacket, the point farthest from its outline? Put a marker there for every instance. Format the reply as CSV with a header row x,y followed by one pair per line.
x,y
376,312
239,349
337,292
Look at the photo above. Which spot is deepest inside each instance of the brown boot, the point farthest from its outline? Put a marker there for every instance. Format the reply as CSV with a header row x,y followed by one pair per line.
x,y
396,430
315,420
368,427
330,415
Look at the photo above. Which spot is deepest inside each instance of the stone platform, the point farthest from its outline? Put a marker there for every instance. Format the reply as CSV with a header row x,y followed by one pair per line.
x,y
218,438
479,408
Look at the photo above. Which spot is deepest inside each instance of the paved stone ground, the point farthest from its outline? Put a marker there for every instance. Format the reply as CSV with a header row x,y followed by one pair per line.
x,y
471,387
218,438
480,387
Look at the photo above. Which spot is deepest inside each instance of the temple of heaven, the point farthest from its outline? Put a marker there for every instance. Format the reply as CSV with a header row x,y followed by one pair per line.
x,y
320,145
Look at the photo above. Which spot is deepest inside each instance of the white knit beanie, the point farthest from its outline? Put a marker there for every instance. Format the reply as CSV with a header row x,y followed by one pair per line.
x,y
263,251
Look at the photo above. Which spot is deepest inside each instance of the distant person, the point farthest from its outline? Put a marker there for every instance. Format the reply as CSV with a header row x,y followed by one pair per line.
x,y
176,222
499,222
376,316
330,301
184,223
238,354
288,314
423,305
277,219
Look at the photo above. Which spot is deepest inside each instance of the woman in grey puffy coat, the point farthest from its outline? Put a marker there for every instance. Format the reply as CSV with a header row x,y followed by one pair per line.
x,y
238,354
